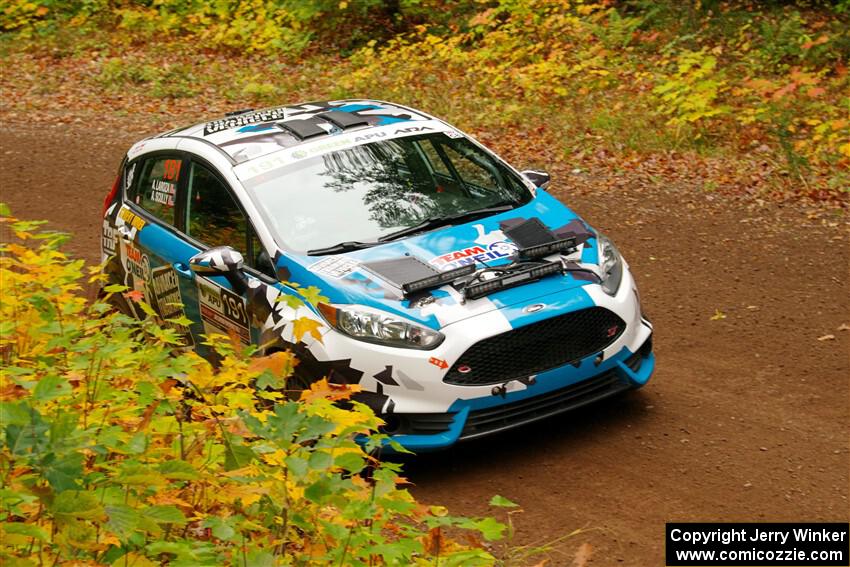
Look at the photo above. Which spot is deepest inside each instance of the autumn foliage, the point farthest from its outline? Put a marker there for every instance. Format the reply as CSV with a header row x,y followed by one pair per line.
x,y
755,93
116,447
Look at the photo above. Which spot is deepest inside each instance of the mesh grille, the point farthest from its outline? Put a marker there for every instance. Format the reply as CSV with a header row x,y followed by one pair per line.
x,y
490,420
537,347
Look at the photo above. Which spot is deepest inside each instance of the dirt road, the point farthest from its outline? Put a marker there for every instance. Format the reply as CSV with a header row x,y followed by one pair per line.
x,y
746,418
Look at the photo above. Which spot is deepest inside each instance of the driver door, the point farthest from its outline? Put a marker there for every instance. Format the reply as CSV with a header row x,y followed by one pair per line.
x,y
213,218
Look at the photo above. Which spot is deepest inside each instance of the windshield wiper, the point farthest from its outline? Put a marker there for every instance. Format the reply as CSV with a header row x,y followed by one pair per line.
x,y
435,222
347,246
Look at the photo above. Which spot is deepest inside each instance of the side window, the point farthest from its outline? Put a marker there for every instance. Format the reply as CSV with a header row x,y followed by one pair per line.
x,y
156,189
212,216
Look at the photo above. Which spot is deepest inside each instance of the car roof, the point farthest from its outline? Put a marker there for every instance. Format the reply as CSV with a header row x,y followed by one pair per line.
x,y
248,134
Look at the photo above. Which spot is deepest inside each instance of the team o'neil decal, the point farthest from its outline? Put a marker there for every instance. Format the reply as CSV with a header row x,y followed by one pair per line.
x,y
489,246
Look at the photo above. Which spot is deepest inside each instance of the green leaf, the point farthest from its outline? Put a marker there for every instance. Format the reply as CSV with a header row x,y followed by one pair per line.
x,y
178,470
313,295
149,311
123,520
137,444
5,211
115,288
51,387
290,300
64,474
237,455
350,462
136,474
29,530
297,466
502,502
165,515
77,504
320,460
14,413
490,528
318,490
221,527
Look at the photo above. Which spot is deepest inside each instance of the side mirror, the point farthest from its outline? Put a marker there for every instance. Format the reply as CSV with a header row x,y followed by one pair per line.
x,y
539,178
218,261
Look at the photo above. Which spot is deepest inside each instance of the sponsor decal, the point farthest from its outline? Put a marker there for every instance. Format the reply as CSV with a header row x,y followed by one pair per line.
x,y
247,118
438,362
453,134
109,240
259,166
412,129
135,150
372,136
223,311
456,258
334,266
137,264
167,300
128,180
132,219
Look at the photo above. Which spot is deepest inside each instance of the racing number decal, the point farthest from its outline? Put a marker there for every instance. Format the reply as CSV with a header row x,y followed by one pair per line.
x,y
172,169
223,311
234,307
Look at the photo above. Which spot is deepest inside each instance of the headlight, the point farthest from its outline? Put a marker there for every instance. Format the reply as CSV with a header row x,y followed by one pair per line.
x,y
610,264
372,326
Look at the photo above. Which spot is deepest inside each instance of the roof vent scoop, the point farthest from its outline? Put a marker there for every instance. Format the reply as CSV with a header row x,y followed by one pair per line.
x,y
343,119
303,128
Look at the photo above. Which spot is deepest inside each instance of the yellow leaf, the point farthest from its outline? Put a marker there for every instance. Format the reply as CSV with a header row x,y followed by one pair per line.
x,y
305,325
718,315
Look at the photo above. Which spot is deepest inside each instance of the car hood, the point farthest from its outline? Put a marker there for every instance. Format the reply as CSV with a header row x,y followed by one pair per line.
x,y
342,279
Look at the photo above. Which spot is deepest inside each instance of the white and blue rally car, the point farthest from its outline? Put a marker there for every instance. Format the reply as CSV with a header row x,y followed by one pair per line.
x,y
456,291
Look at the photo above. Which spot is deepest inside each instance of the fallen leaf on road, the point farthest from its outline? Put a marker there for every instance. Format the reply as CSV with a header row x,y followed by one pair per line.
x,y
844,327
583,554
718,315
827,338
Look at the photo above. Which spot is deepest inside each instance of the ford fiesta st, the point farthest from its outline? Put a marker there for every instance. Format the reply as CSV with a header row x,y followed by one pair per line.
x,y
461,295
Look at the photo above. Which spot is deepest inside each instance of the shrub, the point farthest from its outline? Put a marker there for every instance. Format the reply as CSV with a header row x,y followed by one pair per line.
x,y
116,447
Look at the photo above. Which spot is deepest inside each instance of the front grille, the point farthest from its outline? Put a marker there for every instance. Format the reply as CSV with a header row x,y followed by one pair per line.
x,y
537,347
490,420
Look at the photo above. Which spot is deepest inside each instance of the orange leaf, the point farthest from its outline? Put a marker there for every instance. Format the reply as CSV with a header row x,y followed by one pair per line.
x,y
134,295
322,389
278,363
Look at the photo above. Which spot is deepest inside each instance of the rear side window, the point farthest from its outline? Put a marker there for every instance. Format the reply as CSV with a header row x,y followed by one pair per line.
x,y
213,217
156,188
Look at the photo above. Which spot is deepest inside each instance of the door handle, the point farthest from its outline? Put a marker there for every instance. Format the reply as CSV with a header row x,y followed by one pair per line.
x,y
183,270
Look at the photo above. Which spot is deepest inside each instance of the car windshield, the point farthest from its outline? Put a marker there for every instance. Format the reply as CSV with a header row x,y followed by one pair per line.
x,y
366,192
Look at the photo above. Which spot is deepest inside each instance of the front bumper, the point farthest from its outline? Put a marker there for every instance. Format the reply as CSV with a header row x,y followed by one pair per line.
x,y
553,392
